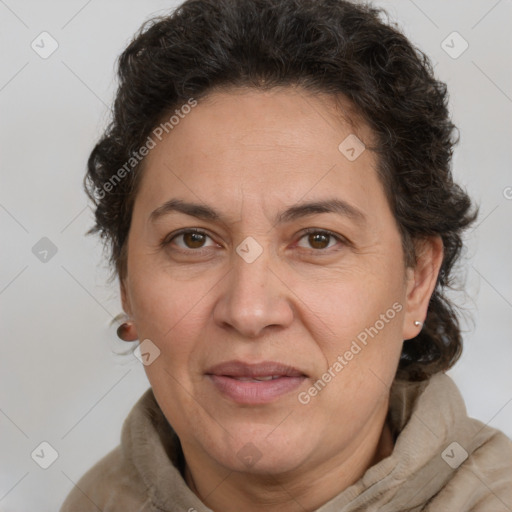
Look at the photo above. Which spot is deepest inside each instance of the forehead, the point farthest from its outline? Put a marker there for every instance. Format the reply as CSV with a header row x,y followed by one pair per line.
x,y
286,143
283,117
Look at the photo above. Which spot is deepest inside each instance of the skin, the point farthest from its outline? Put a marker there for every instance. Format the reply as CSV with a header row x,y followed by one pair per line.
x,y
250,155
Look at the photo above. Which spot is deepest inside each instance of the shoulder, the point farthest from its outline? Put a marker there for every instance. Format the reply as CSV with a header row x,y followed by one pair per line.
x,y
489,469
465,464
111,484
483,482
115,482
481,466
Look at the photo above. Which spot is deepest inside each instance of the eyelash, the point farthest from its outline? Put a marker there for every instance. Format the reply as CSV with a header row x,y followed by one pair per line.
x,y
169,238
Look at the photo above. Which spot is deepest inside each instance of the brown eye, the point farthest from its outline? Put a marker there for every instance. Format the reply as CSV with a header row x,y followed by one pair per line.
x,y
320,240
189,239
193,239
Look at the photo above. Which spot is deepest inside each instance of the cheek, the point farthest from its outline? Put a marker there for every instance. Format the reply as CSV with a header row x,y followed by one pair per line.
x,y
353,304
166,310
360,363
361,321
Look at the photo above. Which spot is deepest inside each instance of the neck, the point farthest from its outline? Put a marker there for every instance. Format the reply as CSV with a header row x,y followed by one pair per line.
x,y
305,490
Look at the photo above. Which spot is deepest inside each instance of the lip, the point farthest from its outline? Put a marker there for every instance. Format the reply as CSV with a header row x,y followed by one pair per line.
x,y
224,377
237,368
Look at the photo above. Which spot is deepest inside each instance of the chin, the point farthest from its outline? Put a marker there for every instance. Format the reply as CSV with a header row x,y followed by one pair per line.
x,y
263,452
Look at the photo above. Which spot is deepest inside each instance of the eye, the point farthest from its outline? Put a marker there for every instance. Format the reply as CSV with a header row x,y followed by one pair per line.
x,y
320,239
192,239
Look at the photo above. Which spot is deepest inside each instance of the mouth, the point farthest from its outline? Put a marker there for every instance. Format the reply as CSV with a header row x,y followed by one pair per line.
x,y
256,379
249,383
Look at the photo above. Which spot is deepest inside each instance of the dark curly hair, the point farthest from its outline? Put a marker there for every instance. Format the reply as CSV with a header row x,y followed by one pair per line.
x,y
324,46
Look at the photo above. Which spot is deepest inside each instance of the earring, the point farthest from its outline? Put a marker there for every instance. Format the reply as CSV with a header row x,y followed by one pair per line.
x,y
417,323
126,331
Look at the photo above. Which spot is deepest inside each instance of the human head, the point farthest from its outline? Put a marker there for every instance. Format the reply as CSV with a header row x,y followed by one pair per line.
x,y
325,46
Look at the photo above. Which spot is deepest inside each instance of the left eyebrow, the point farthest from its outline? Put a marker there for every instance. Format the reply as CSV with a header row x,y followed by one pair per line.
x,y
292,213
334,205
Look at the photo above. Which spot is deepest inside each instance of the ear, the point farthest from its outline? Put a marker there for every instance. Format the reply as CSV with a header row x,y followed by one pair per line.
x,y
421,282
125,299
128,330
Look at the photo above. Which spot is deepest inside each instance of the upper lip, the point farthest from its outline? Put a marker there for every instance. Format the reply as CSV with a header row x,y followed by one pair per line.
x,y
242,369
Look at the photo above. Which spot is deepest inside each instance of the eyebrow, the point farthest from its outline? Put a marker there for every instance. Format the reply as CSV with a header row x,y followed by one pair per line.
x,y
292,213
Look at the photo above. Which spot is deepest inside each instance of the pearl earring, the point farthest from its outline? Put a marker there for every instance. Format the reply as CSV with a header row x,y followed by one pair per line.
x,y
417,323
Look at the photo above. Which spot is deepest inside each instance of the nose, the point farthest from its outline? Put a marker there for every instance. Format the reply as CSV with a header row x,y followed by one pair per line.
x,y
254,298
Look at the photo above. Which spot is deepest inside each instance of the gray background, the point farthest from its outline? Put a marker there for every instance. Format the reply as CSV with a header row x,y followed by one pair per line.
x,y
63,380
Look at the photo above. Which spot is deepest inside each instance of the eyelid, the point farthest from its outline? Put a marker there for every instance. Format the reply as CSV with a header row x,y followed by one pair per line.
x,y
169,238
340,238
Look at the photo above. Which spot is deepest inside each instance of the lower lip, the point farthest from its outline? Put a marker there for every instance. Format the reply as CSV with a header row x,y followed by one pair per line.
x,y
250,392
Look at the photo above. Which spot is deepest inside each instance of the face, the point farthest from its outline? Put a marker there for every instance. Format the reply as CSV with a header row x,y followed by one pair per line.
x,y
265,265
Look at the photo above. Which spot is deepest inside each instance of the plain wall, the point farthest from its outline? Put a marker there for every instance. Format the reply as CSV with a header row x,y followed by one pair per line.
x,y
61,381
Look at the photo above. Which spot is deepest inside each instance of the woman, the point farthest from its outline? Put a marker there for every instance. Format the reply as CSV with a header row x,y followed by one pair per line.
x,y
275,190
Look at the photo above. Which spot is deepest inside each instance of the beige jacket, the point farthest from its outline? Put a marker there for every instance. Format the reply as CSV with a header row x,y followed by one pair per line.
x,y
442,461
